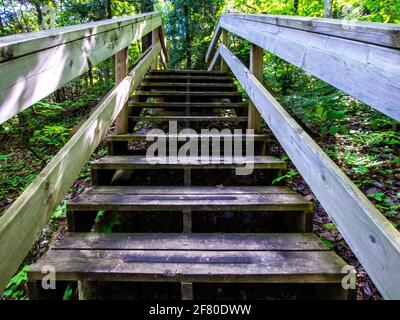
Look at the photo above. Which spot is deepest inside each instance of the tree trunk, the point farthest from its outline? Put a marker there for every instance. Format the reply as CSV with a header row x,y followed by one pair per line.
x,y
296,6
187,38
39,13
328,8
147,6
109,9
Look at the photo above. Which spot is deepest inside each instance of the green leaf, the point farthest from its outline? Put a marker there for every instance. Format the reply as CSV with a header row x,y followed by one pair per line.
x,y
328,243
334,129
329,226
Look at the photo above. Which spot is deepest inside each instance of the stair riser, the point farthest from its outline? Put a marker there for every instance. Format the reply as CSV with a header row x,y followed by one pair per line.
x,y
121,148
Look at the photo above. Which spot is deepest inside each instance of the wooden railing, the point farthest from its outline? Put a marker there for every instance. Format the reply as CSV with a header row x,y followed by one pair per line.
x,y
362,59
34,65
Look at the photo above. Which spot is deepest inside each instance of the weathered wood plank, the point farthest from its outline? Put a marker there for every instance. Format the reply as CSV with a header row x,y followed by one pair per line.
x,y
367,72
121,70
204,78
224,41
193,266
189,119
207,86
172,199
200,105
194,241
15,46
232,190
214,42
189,72
32,210
382,34
211,94
373,239
256,68
144,136
136,162
31,77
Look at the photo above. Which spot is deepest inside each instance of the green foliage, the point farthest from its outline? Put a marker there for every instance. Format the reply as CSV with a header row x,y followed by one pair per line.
x,y
15,288
287,176
106,223
328,243
61,211
51,135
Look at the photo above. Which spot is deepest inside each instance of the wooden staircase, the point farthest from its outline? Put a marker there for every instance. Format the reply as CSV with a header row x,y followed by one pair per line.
x,y
277,248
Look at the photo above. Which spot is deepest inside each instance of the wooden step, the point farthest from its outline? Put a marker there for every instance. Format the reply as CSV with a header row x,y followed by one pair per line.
x,y
194,258
190,78
144,136
188,72
220,87
143,162
188,119
208,94
194,105
149,198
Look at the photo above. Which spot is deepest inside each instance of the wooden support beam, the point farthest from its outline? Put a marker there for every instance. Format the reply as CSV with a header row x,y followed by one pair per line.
x,y
214,42
121,70
32,210
368,72
224,41
187,290
373,239
37,64
256,68
155,38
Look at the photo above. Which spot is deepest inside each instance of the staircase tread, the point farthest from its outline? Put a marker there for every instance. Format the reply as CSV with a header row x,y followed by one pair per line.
x,y
128,161
196,93
188,118
193,241
183,84
267,266
187,77
168,71
173,198
191,104
143,136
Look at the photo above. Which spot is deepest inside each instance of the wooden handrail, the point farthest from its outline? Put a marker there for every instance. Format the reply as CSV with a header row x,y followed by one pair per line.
x,y
22,223
365,66
34,65
381,34
373,239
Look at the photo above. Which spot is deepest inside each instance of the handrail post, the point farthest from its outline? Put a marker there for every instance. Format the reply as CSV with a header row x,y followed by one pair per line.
x,y
256,68
224,41
155,37
121,71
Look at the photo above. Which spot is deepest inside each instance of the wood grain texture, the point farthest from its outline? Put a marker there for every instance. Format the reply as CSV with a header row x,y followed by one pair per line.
x,y
373,239
382,34
368,72
14,46
189,198
199,105
137,162
256,68
193,241
32,210
33,76
189,119
121,70
214,42
144,136
193,266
